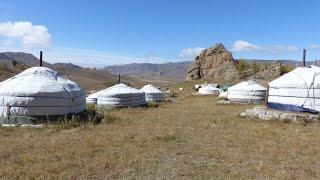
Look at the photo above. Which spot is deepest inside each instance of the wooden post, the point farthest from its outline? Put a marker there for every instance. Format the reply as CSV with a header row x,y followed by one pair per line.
x,y
40,58
119,79
304,57
267,96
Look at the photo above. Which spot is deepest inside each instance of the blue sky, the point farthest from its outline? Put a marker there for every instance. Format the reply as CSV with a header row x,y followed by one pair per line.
x,y
98,33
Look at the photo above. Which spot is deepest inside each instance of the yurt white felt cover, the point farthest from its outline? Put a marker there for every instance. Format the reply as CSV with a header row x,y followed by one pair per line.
x,y
247,91
120,95
209,89
223,94
152,93
40,91
298,90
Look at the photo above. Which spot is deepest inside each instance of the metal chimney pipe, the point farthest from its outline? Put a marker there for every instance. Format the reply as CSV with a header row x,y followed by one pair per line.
x,y
304,57
40,58
119,79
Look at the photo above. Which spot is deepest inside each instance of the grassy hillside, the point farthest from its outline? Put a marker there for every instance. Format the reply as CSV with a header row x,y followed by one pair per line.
x,y
91,79
190,137
12,63
155,73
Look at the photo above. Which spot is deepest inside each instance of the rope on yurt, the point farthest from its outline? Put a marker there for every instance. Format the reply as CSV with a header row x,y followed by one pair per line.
x,y
312,85
306,87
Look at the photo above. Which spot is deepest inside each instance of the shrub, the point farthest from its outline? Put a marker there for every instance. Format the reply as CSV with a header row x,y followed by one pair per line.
x,y
255,67
20,66
242,65
3,69
14,63
286,68
92,115
75,120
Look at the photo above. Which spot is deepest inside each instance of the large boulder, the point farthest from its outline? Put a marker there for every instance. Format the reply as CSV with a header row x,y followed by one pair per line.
x,y
214,62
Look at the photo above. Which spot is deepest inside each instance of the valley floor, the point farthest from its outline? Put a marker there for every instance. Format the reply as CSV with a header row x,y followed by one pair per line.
x,y
190,137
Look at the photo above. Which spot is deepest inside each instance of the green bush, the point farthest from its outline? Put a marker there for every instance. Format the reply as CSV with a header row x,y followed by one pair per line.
x,y
242,66
20,66
286,68
3,69
14,63
92,115
255,67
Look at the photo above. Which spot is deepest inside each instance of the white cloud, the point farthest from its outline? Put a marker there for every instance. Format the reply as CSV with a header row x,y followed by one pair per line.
x,y
27,34
8,42
314,46
239,46
190,52
244,46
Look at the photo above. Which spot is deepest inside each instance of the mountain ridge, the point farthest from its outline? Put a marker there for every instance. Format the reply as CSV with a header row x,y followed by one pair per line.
x,y
152,72
12,63
158,73
135,69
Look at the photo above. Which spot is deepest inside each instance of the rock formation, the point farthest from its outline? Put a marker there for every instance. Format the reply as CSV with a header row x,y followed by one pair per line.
x,y
214,62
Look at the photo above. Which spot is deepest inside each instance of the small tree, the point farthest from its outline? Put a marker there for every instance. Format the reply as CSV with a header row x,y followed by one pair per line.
x,y
255,67
3,69
286,68
241,66
21,66
14,63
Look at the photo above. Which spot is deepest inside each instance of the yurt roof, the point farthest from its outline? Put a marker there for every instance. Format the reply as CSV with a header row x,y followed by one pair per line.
x,y
247,86
38,81
150,89
301,77
209,84
117,89
210,87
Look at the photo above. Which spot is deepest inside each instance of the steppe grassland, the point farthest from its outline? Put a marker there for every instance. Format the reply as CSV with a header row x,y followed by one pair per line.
x,y
189,137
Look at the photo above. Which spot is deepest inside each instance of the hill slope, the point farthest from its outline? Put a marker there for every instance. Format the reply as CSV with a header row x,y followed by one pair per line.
x,y
156,73
89,79
25,58
92,79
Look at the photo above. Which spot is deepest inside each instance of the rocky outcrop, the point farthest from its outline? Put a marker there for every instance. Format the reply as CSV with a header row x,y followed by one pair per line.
x,y
265,113
214,62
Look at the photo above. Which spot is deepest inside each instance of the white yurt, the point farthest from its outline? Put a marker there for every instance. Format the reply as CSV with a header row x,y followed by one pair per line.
x,y
298,90
209,89
197,86
91,100
119,95
247,91
152,93
40,91
223,94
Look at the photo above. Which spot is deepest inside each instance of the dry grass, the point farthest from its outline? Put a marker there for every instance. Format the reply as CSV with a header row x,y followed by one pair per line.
x,y
188,138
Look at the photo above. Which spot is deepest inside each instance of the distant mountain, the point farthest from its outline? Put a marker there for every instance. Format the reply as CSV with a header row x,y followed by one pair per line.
x,y
294,63
89,79
136,73
148,72
30,60
176,71
25,58
66,65
93,79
